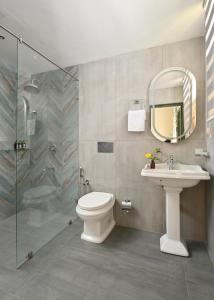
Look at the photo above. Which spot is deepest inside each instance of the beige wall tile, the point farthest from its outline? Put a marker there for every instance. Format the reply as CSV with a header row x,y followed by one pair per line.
x,y
97,99
184,151
144,199
106,89
100,168
188,54
193,212
134,72
130,159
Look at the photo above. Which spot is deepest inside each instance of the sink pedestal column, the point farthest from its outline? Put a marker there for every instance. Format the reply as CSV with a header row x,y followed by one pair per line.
x,y
171,241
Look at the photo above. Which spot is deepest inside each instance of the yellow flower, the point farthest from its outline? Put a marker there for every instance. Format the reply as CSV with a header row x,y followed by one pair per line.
x,y
149,155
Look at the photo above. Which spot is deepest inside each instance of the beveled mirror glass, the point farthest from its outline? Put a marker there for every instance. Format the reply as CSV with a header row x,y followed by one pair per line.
x,y
172,101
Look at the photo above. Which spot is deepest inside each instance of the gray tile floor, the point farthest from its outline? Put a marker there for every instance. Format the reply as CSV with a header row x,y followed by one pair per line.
x,y
34,229
127,266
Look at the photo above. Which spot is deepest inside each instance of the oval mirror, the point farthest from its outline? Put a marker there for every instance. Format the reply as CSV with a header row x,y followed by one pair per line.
x,y
172,101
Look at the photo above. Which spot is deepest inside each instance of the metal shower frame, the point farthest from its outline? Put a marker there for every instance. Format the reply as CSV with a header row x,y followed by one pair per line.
x,y
20,39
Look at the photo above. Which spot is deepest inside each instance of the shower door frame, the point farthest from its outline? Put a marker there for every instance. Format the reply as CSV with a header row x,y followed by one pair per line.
x,y
20,41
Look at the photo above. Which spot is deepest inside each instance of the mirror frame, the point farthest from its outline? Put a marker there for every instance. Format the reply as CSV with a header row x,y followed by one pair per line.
x,y
192,124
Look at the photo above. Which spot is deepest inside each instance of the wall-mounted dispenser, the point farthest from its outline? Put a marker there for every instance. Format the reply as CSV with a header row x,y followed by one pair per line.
x,y
31,123
201,152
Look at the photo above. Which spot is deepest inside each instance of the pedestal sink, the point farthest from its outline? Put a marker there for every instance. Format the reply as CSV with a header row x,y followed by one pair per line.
x,y
173,182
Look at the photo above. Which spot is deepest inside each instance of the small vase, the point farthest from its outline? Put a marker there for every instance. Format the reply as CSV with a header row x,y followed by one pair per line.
x,y
152,164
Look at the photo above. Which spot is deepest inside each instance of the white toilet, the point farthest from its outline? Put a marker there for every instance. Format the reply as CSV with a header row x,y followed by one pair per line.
x,y
96,210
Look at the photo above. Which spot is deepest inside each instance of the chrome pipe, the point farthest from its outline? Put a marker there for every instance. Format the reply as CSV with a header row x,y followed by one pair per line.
x,y
20,39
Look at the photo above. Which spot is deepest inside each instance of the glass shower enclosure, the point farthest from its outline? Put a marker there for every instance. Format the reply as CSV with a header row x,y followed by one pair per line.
x,y
42,116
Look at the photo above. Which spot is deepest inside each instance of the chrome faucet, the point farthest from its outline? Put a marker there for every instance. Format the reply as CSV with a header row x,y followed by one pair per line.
x,y
171,162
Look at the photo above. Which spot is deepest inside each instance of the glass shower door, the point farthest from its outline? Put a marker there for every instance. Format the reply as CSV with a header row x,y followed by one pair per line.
x,y
8,83
46,190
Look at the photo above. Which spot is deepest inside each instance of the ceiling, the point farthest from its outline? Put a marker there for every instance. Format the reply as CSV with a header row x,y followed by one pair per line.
x,y
78,31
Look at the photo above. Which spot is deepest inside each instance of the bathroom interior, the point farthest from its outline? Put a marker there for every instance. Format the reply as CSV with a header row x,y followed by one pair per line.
x,y
107,150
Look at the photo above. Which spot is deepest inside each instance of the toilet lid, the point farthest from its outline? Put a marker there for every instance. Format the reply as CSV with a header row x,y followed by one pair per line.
x,y
94,200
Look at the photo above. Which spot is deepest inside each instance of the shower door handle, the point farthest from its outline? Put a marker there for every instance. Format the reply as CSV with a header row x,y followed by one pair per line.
x,y
20,145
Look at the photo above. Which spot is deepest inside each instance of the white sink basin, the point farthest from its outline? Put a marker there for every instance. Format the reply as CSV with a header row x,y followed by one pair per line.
x,y
173,182
181,176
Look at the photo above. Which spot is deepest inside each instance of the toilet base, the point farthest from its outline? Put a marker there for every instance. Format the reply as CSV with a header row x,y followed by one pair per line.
x,y
98,238
98,222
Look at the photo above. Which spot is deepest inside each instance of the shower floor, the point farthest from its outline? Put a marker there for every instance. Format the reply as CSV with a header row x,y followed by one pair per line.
x,y
35,229
127,266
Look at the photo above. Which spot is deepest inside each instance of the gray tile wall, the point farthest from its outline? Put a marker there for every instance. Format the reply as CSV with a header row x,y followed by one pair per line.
x,y
7,138
210,185
210,189
209,34
210,216
57,123
106,89
56,105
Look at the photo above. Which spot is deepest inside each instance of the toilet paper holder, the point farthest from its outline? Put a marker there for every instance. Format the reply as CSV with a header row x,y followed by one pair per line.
x,y
126,206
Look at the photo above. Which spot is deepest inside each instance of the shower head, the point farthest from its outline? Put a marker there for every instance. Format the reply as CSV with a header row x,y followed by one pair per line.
x,y
32,87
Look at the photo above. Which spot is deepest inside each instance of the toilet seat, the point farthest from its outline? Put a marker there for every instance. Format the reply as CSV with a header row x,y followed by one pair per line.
x,y
94,201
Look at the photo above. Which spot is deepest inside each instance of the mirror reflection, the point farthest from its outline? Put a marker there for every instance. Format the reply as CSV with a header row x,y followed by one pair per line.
x,y
172,100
